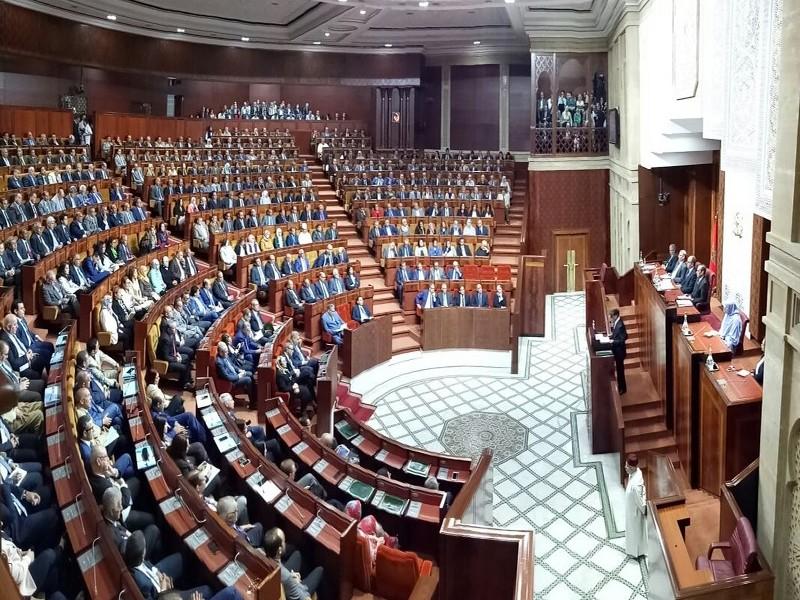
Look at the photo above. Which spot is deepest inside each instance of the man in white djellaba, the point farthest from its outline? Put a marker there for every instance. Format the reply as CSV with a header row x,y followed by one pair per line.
x,y
635,509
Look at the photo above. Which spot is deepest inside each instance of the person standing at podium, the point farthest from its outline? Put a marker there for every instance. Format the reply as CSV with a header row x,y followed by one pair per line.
x,y
360,312
618,337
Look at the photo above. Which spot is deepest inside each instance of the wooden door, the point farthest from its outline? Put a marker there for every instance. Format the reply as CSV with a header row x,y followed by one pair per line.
x,y
563,242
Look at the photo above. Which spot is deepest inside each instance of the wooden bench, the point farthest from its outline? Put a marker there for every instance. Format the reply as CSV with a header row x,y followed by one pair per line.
x,y
243,263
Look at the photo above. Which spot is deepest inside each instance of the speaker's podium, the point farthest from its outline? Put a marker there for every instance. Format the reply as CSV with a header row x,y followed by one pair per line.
x,y
367,345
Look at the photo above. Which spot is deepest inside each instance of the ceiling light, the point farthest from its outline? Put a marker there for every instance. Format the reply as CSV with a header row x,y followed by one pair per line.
x,y
180,30
362,12
245,39
387,45
424,4
111,17
509,1
327,34
342,0
476,43
317,43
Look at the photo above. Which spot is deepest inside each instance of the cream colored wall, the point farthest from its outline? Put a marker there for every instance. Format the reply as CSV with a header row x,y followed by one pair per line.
x,y
623,93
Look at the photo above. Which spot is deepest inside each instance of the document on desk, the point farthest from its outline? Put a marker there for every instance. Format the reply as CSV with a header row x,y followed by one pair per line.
x,y
602,338
684,302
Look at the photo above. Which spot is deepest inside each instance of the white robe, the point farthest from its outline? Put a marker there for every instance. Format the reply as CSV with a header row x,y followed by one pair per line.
x,y
635,520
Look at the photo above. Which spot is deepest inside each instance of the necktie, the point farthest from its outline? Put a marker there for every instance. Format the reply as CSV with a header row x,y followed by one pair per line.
x,y
461,300
11,376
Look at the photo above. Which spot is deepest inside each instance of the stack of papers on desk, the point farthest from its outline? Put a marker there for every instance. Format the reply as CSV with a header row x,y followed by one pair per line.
x,y
684,302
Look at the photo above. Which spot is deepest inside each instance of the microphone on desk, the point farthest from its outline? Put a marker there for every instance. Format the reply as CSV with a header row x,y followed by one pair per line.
x,y
252,585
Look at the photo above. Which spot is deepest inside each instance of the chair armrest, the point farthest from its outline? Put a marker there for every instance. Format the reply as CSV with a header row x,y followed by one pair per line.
x,y
717,546
104,338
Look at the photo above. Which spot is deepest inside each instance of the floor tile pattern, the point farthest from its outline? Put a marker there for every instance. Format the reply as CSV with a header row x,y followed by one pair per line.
x,y
542,479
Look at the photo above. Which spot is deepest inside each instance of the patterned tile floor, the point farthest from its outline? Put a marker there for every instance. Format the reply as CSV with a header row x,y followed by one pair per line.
x,y
544,477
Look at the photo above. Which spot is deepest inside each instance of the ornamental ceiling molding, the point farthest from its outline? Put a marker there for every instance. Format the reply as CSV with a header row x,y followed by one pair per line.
x,y
744,102
769,124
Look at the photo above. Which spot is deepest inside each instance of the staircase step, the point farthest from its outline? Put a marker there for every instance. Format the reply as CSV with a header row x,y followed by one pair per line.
x,y
663,441
404,343
639,430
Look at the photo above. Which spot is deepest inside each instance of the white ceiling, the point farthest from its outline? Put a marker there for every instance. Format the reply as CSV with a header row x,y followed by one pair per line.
x,y
442,26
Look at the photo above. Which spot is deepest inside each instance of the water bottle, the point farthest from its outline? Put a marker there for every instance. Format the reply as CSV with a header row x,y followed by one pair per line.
x,y
641,258
685,327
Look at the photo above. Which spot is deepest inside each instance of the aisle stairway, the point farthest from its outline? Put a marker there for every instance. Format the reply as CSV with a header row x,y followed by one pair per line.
x,y
642,410
406,336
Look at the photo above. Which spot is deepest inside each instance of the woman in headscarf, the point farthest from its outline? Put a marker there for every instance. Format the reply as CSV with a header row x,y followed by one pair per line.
x,y
731,329
156,281
369,529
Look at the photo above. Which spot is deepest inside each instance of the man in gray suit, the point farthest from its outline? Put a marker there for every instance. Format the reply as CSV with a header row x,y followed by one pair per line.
x,y
54,295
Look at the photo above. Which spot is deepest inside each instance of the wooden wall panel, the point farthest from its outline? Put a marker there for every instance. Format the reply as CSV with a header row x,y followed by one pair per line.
x,y
23,119
686,219
568,200
475,107
428,113
35,34
520,111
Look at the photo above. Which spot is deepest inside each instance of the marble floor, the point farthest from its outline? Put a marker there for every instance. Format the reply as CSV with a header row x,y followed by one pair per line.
x,y
545,478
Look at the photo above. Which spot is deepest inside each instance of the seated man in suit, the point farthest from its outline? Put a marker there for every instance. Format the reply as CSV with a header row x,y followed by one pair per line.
x,y
672,260
291,299
479,298
22,357
321,287
295,586
220,291
228,510
427,298
271,269
462,249
360,311
499,298
53,294
400,277
336,283
170,346
308,292
257,276
679,272
120,331
483,249
111,509
287,266
90,400
32,526
460,298
156,580
332,323
690,276
455,273
444,299
90,435
701,290
227,370
92,268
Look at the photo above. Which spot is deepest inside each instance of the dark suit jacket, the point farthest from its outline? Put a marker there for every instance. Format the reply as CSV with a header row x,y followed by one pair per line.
x,y
700,292
671,263
618,337
308,293
483,302
220,290
14,357
498,302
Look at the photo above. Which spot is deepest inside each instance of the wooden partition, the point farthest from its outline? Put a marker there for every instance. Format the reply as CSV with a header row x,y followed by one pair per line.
x,y
242,274
671,569
477,561
729,422
455,327
20,120
122,125
367,345
656,312
688,368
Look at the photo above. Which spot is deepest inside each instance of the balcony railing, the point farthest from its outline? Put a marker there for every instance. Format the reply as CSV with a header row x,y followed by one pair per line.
x,y
573,141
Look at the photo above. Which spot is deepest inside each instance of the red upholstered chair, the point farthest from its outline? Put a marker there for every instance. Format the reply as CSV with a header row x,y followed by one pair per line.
x,y
740,553
397,572
488,272
712,283
221,385
503,272
362,566
471,272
